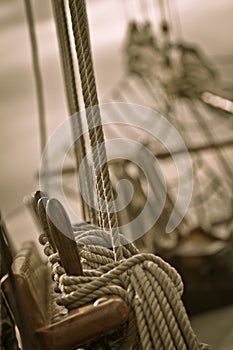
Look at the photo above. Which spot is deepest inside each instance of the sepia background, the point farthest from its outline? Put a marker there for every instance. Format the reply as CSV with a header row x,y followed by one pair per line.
x,y
207,24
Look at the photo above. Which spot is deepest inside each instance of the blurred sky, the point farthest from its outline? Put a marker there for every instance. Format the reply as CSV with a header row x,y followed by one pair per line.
x,y
206,23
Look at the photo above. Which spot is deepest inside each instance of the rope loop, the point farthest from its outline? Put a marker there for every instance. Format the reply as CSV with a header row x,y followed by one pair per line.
x,y
151,288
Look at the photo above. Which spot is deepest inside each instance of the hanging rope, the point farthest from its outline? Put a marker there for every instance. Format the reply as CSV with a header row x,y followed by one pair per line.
x,y
165,24
108,216
37,75
89,214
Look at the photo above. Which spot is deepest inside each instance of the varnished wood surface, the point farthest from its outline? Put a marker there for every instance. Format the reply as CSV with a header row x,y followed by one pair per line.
x,y
41,205
84,324
26,293
31,280
62,233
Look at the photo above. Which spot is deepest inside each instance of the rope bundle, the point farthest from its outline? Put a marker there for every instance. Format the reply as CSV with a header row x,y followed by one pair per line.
x,y
151,288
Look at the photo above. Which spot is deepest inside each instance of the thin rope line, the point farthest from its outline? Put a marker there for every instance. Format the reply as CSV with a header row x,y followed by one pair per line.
x,y
163,16
37,75
165,23
176,12
169,18
73,105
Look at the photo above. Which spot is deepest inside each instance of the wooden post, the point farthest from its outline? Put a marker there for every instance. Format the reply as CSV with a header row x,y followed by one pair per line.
x,y
63,236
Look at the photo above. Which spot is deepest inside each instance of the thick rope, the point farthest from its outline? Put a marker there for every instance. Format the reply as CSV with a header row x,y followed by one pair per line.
x,y
88,96
151,288
108,218
89,213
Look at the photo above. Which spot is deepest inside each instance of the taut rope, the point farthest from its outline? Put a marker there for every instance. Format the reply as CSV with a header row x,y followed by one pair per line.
x,y
38,78
89,214
108,216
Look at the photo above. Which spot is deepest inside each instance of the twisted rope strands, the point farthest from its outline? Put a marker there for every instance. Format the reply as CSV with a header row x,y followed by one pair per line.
x,y
104,188
73,105
151,287
88,98
209,133
86,92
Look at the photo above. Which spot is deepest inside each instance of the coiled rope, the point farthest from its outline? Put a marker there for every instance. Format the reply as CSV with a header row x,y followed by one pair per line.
x,y
151,288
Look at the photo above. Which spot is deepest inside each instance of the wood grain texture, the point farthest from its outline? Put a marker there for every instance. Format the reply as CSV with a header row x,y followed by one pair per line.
x,y
25,292
81,325
41,205
63,236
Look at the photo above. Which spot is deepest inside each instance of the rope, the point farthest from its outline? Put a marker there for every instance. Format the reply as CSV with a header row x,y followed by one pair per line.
x,y
37,75
164,22
89,213
151,288
108,216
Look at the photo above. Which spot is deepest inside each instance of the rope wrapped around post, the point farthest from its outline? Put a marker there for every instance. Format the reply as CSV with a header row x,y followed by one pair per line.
x,y
151,288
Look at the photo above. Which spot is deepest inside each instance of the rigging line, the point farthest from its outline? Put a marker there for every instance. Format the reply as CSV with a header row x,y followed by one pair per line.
x,y
86,69
71,94
87,96
222,160
129,11
165,23
144,9
149,86
98,137
196,149
37,75
163,17
169,18
136,10
153,12
225,58
73,105
201,212
177,19
125,10
170,199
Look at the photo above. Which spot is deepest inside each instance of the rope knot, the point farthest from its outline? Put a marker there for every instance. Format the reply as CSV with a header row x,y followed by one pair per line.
x,y
151,288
